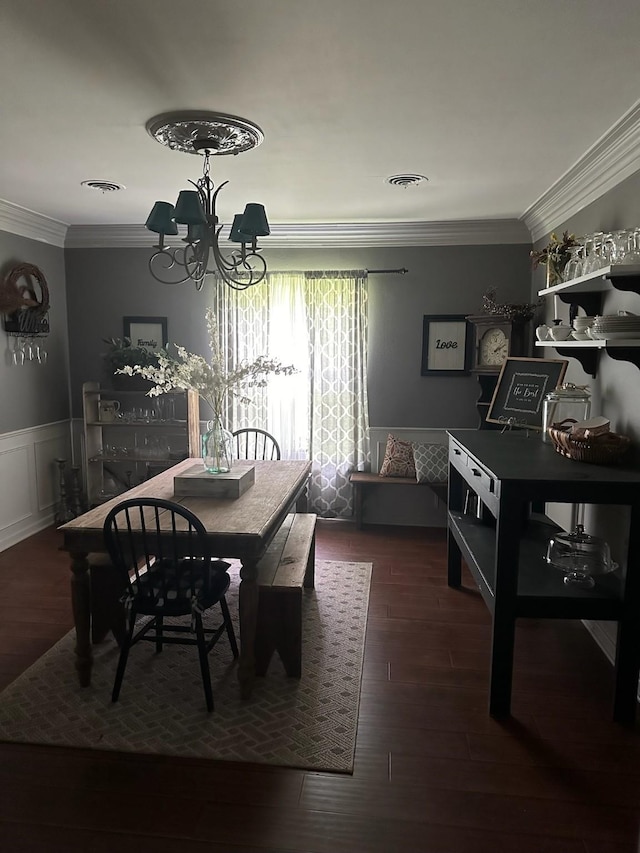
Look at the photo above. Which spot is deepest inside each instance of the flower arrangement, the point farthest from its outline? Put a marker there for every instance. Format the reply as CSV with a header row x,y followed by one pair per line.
x,y
210,379
555,252
519,313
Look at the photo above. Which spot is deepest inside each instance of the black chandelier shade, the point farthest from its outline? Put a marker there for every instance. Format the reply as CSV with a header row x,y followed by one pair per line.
x,y
165,218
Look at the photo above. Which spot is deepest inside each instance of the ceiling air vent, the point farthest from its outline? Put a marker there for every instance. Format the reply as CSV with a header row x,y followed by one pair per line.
x,y
408,180
103,186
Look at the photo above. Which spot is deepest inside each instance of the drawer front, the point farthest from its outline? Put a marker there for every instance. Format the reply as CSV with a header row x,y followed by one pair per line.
x,y
457,455
480,480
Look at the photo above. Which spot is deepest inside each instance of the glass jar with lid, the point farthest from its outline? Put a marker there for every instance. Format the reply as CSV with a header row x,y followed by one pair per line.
x,y
566,401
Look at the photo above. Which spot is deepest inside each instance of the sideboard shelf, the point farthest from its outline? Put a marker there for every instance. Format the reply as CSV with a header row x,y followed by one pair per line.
x,y
129,446
505,550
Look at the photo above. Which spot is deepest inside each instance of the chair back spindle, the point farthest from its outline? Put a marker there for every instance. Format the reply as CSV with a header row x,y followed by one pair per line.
x,y
255,443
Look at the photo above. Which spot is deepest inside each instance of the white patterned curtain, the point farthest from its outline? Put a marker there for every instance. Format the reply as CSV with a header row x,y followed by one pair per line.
x,y
317,321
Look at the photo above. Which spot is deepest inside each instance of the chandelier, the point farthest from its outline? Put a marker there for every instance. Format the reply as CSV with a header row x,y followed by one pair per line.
x,y
207,134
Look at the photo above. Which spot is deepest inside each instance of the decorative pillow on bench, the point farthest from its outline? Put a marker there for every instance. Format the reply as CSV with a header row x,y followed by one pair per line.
x,y
431,462
398,459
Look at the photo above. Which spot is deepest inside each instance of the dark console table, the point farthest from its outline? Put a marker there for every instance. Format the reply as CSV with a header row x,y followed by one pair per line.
x,y
505,549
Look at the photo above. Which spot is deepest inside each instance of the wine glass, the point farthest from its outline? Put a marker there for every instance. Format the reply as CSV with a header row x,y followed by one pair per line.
x,y
593,260
573,268
619,246
18,352
632,255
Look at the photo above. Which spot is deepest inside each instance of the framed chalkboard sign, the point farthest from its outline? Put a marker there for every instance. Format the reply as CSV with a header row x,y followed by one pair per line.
x,y
521,389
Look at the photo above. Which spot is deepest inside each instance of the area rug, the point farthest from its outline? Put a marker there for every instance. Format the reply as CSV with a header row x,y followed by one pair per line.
x,y
308,723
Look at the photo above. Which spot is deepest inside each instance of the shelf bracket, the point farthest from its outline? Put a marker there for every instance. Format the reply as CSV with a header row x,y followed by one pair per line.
x,y
588,358
631,354
589,301
625,282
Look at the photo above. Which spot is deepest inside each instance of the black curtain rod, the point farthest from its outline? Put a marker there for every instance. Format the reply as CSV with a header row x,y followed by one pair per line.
x,y
401,271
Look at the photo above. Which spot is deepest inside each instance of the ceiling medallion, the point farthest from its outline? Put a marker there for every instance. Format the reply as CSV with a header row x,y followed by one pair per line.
x,y
225,134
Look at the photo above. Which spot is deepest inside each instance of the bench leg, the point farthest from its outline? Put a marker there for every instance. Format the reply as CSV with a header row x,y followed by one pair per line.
x,y
357,503
279,629
310,572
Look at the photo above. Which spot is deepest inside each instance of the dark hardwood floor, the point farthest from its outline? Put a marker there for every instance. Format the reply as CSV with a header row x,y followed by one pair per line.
x,y
433,771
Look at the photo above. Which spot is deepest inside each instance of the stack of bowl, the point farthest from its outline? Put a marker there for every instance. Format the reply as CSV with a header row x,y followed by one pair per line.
x,y
581,326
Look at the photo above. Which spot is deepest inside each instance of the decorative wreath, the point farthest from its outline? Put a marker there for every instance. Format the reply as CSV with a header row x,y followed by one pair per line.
x,y
25,309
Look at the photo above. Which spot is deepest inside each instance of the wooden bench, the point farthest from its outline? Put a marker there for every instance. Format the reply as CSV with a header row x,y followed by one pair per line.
x,y
286,567
362,481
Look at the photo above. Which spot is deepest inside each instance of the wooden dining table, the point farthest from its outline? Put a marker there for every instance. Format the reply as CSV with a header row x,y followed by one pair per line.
x,y
240,528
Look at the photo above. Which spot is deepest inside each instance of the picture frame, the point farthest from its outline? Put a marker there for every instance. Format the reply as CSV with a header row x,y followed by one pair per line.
x,y
446,345
147,332
521,389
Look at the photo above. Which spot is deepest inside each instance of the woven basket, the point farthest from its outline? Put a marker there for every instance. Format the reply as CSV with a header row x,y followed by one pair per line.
x,y
604,449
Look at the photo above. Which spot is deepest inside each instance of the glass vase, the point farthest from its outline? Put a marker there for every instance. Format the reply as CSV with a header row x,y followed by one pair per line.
x,y
554,272
217,444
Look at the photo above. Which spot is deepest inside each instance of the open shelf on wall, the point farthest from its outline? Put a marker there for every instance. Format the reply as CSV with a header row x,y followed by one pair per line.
x,y
587,352
587,292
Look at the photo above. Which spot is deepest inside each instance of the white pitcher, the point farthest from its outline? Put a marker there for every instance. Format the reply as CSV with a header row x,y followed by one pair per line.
x,y
108,410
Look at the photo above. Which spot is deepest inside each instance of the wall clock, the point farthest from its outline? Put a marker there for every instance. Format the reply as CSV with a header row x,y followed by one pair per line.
x,y
496,337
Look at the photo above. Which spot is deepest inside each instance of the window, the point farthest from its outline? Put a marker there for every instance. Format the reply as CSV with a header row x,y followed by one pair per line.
x,y
317,321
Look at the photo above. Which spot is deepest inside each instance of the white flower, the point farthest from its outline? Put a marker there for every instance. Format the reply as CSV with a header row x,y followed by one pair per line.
x,y
209,378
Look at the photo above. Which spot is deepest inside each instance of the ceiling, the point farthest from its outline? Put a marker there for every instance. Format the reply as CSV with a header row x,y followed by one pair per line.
x,y
492,101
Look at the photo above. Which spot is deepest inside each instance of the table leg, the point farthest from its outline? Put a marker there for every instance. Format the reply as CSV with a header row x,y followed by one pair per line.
x,y
628,643
454,556
454,561
504,611
248,610
81,606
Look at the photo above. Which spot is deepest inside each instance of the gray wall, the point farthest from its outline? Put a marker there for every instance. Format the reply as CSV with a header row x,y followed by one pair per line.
x,y
103,285
35,394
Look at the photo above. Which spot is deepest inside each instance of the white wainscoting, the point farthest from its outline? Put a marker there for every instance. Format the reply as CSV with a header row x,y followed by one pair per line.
x,y
29,478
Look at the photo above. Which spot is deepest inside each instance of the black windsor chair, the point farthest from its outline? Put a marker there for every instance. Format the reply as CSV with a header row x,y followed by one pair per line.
x,y
161,551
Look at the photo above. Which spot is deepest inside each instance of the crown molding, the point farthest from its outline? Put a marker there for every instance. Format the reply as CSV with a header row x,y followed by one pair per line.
x,y
609,161
320,236
614,157
35,226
